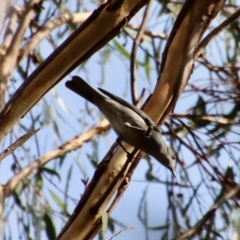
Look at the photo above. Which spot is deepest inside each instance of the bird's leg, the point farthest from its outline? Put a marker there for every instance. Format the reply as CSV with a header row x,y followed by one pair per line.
x,y
148,132
129,155
120,144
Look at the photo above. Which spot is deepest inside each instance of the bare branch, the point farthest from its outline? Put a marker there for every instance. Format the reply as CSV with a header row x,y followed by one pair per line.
x,y
136,42
215,32
210,118
9,59
194,19
17,144
67,17
149,33
210,214
43,32
70,145
94,33
178,56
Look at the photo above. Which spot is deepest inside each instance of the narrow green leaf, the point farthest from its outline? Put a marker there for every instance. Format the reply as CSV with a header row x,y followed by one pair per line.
x,y
147,66
121,49
51,172
50,228
61,159
56,129
39,181
18,201
200,107
58,201
68,179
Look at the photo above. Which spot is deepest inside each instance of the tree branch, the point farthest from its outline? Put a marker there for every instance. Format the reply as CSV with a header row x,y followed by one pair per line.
x,y
210,118
136,42
68,146
43,32
198,227
215,32
17,144
105,23
9,59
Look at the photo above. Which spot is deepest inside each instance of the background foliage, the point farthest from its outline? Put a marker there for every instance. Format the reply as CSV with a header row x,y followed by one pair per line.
x,y
203,130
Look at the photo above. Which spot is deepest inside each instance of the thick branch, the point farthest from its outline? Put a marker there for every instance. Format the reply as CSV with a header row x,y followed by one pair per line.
x,y
105,23
178,56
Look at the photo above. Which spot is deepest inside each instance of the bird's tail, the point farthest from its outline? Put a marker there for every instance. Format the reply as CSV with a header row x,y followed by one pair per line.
x,y
79,86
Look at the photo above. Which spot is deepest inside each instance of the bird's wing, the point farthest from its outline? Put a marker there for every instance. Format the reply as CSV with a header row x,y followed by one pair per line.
x,y
146,118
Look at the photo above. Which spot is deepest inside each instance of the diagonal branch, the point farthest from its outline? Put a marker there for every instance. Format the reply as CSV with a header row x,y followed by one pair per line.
x,y
215,32
12,22
178,56
43,32
105,23
198,227
210,118
68,146
17,144
191,24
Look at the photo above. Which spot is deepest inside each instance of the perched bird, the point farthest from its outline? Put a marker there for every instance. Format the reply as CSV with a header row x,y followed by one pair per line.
x,y
129,123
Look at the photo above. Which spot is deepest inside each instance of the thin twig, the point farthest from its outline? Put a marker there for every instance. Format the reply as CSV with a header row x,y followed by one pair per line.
x,y
19,142
210,118
140,98
215,32
68,146
40,35
148,33
10,57
136,42
198,226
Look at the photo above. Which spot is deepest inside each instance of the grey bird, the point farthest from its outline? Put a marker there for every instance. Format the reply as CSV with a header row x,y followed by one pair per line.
x,y
129,122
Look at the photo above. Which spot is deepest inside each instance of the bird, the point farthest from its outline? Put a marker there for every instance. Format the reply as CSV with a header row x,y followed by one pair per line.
x,y
131,124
